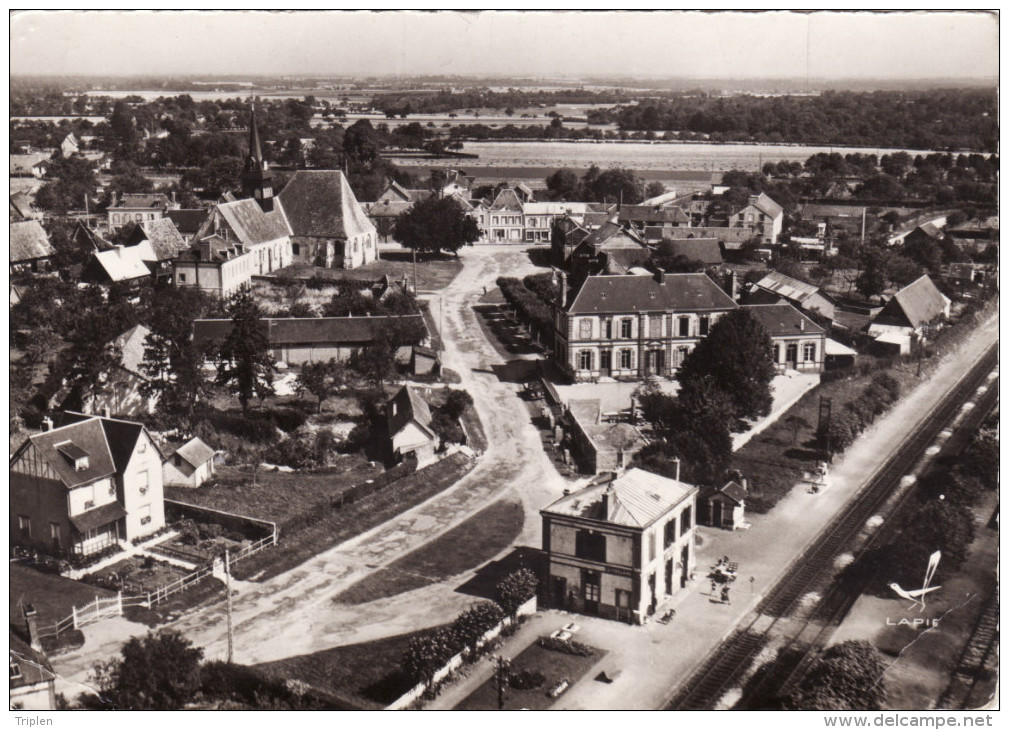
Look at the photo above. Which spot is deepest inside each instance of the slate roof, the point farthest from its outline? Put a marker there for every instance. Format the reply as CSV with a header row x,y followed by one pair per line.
x,y
788,287
608,231
396,192
304,330
166,241
576,209
122,263
703,250
931,230
783,319
195,452
636,499
653,214
390,209
765,205
95,518
131,347
187,220
812,211
320,203
34,668
409,407
87,435
29,241
21,205
676,292
143,200
622,260
733,491
507,199
920,302
251,224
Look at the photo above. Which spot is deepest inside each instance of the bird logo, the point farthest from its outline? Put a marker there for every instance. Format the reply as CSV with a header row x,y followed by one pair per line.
x,y
917,597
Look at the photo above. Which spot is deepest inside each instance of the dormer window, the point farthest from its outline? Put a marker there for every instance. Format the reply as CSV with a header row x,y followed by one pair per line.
x,y
74,454
15,670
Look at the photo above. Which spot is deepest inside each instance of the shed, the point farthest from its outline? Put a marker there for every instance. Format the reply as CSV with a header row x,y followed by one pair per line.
x,y
191,465
726,505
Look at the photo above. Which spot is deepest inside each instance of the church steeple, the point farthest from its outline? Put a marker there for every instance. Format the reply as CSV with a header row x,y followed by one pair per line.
x,y
256,179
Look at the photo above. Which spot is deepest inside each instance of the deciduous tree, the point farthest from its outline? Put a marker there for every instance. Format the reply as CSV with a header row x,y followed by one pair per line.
x,y
436,224
244,361
847,676
321,379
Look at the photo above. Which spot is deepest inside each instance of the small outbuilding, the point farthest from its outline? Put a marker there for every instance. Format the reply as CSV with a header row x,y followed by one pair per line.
x,y
191,465
409,418
726,505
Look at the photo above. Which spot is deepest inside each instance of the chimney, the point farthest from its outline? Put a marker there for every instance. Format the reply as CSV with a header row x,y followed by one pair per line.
x,y
742,483
47,424
677,462
106,412
608,495
32,624
562,296
802,323
734,285
119,250
659,274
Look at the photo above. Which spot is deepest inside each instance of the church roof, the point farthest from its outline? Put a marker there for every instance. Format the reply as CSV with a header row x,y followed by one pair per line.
x,y
320,203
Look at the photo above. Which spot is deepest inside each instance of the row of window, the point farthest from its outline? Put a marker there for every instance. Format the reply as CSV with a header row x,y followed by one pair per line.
x,y
625,359
792,352
118,218
626,327
591,545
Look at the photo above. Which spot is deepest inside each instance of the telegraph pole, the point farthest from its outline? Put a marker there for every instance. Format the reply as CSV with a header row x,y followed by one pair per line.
x,y
227,583
415,272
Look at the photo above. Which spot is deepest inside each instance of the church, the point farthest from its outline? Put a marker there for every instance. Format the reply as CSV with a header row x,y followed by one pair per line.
x,y
316,219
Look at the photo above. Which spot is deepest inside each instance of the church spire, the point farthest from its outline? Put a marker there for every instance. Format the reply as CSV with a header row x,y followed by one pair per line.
x,y
256,178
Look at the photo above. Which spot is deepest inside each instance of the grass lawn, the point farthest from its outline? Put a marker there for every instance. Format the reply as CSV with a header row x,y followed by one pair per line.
x,y
276,495
466,546
434,273
554,665
355,518
54,599
360,676
773,461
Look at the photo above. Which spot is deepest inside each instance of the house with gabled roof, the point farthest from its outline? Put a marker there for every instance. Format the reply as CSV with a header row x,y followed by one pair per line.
x,y
328,225
138,207
85,486
761,216
505,216
190,465
70,146
911,314
653,222
30,249
797,342
408,417
122,392
621,548
118,265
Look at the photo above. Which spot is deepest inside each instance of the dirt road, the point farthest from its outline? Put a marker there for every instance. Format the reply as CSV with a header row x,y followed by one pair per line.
x,y
294,613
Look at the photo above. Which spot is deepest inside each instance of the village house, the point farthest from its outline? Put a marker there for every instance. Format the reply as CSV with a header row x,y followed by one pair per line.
x,y
70,146
138,207
190,465
328,226
911,315
119,265
408,417
32,679
633,326
238,240
122,388
797,342
775,287
300,340
506,218
30,249
609,249
538,218
653,222
32,165
22,208
622,547
86,486
762,217
159,243
725,506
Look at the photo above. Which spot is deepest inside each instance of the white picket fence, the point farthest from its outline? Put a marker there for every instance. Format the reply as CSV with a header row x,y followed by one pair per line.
x,y
102,608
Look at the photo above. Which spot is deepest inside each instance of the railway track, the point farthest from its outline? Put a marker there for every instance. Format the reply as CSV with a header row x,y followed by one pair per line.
x,y
727,664
980,649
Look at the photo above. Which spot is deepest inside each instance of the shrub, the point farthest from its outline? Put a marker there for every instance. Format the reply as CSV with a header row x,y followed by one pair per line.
x,y
189,533
209,531
526,679
254,429
515,589
286,419
236,537
476,621
568,646
426,654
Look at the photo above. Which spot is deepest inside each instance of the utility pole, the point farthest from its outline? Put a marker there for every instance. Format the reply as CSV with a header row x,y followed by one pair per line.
x,y
502,677
227,584
414,271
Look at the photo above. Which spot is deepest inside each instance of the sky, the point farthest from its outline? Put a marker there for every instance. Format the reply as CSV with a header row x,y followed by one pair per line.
x,y
905,45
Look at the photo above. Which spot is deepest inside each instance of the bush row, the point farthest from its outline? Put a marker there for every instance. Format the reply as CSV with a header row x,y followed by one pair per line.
x,y
529,307
847,422
427,653
321,510
565,646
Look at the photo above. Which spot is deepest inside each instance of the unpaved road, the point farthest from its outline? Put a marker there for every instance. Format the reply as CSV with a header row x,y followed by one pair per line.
x,y
294,613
